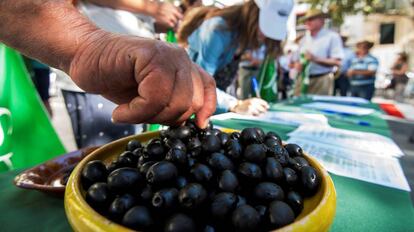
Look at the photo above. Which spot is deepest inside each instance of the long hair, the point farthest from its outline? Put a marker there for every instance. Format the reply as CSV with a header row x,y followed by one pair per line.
x,y
242,19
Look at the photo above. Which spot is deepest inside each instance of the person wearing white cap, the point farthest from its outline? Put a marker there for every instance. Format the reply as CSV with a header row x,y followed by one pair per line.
x,y
215,39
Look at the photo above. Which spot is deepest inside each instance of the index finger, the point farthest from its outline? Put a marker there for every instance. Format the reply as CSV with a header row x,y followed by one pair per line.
x,y
210,99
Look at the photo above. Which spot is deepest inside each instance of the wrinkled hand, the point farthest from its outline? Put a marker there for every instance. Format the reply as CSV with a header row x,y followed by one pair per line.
x,y
168,15
251,106
152,81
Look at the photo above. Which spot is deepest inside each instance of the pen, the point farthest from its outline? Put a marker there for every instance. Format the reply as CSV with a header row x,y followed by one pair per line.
x,y
255,86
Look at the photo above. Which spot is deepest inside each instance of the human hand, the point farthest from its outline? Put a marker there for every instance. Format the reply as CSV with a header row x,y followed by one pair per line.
x,y
167,14
152,81
251,106
350,72
309,56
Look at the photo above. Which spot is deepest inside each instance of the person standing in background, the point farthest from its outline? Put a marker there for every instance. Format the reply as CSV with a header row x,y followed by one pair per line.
x,y
342,82
41,79
399,76
322,48
363,70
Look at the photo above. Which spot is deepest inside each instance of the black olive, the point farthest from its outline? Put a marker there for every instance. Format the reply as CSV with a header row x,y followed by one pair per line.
x,y
177,156
142,160
233,149
201,173
162,172
164,134
154,151
250,172
180,223
228,181
241,201
250,135
267,192
255,153
98,196
302,161
310,180
147,193
294,149
280,214
291,178
133,144
138,152
295,165
94,171
138,218
192,196
263,212
260,132
273,170
272,135
124,180
125,161
183,133
175,143
113,166
143,169
120,205
223,205
209,228
165,198
131,156
269,142
245,218
191,162
194,147
224,138
295,201
211,144
235,135
220,162
181,182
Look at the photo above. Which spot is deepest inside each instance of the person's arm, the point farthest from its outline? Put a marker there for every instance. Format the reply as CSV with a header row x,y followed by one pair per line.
x,y
368,73
164,13
336,53
401,71
152,81
328,62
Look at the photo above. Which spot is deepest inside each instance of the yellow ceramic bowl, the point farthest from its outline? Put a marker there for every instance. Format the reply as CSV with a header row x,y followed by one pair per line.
x,y
317,215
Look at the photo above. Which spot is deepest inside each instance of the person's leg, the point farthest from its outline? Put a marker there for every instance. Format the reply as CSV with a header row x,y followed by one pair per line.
x,y
321,85
369,92
354,91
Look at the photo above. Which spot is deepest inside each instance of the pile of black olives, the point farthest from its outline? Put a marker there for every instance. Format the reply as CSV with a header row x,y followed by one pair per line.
x,y
191,179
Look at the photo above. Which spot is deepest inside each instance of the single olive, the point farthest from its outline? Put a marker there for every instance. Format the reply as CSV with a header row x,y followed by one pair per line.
x,y
211,144
165,198
154,151
273,170
133,144
274,136
295,201
94,171
194,147
138,218
250,172
143,169
177,156
126,161
235,135
162,172
121,205
201,173
310,180
138,152
291,178
98,196
294,164
131,156
245,218
174,143
192,196
223,205
260,133
180,223
294,150
224,138
183,133
124,180
270,142
220,162
228,181
209,228
250,135
302,161
255,153
280,214
233,149
267,192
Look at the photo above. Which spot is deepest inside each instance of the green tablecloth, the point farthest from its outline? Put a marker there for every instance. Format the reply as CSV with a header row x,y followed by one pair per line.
x,y
361,206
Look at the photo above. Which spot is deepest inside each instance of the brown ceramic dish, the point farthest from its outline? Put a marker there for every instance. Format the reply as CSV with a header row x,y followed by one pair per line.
x,y
51,177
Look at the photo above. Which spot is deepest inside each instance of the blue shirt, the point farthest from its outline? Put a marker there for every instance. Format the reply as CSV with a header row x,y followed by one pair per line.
x,y
367,62
325,44
211,45
346,62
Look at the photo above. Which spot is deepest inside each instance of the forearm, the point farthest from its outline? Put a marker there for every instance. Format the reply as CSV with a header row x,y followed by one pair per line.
x,y
328,62
137,6
363,72
51,31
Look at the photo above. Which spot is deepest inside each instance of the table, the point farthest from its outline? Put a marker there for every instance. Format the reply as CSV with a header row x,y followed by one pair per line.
x,y
361,206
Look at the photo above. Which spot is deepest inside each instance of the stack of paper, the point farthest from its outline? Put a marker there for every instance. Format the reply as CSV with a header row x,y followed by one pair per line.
x,y
346,100
340,109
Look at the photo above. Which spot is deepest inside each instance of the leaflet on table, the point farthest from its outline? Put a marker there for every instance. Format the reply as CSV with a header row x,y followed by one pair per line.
x,y
347,100
286,118
340,109
362,141
355,164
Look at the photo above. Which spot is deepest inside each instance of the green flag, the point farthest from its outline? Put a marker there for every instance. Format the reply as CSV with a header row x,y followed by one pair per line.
x,y
26,136
304,75
268,80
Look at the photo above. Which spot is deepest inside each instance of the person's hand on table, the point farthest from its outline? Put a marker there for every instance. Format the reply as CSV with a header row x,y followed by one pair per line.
x,y
152,81
251,106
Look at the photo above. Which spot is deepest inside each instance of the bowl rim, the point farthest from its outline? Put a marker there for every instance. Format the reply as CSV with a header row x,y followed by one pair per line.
x,y
74,195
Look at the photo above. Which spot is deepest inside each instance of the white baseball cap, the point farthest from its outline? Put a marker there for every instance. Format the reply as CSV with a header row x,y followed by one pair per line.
x,y
273,17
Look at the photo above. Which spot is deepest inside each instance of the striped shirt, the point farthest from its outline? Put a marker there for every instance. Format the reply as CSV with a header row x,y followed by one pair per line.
x,y
367,62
